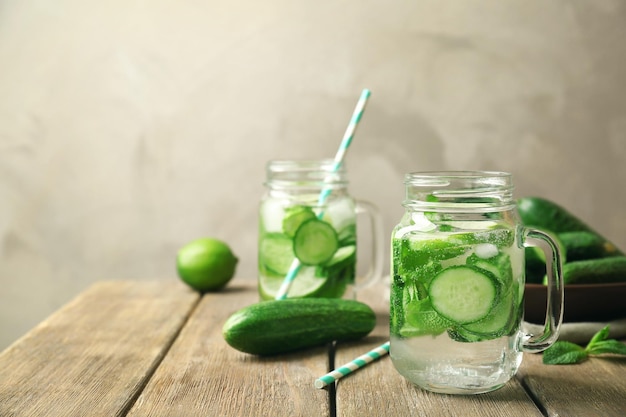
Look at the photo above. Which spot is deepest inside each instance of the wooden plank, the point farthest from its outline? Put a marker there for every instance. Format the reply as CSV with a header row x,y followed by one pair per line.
x,y
203,376
596,387
93,356
378,389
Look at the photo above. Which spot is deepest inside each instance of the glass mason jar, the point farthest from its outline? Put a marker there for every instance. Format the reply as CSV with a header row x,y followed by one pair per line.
x,y
308,233
457,290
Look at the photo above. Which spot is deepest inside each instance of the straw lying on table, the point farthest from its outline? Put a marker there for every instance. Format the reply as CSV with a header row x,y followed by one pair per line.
x,y
352,366
341,152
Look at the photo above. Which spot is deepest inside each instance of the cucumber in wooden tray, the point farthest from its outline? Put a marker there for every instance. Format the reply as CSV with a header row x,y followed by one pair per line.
x,y
582,245
588,257
547,215
595,271
280,326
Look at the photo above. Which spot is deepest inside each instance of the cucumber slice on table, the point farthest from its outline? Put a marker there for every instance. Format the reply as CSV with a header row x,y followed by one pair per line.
x,y
463,294
315,242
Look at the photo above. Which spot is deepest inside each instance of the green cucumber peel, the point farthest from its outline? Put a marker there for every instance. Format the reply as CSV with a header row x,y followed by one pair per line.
x,y
566,353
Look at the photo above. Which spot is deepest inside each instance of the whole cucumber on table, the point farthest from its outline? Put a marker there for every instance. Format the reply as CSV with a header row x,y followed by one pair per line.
x,y
279,326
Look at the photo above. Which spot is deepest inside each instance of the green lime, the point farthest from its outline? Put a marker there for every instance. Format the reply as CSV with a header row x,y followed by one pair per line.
x,y
206,264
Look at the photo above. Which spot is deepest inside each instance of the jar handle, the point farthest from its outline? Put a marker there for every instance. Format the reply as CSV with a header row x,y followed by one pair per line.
x,y
554,310
375,269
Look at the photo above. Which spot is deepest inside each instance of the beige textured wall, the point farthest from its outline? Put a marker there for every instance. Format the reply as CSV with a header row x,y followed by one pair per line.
x,y
128,128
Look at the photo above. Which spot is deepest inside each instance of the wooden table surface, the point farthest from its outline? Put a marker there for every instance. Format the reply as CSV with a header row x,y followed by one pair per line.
x,y
155,348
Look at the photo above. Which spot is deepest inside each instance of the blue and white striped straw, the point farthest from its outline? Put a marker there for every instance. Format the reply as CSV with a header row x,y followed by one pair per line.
x,y
352,366
339,156
347,139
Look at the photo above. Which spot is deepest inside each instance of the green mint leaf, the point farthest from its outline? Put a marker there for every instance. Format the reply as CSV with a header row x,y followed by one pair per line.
x,y
607,346
564,353
601,335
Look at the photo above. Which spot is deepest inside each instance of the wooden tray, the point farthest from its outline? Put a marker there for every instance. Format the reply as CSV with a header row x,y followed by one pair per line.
x,y
583,302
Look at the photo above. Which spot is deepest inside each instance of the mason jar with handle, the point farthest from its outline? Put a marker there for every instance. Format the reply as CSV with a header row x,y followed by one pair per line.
x,y
457,291
308,233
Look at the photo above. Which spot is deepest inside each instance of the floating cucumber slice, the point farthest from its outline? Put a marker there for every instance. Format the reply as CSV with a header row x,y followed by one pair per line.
x,y
347,235
460,334
306,284
499,266
463,294
315,242
497,321
294,217
342,256
276,253
503,320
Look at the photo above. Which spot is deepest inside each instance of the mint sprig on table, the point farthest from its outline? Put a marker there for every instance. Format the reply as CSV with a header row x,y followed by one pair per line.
x,y
565,353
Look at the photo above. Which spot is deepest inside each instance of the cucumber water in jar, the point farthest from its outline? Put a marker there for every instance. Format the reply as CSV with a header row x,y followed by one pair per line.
x,y
308,229
456,303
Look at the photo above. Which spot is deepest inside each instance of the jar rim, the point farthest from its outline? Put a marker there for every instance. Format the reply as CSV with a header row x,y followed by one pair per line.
x,y
459,190
440,176
305,174
288,165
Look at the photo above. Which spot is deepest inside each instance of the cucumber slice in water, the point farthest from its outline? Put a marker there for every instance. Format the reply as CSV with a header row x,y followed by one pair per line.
x,y
502,320
499,266
342,256
276,253
315,242
497,321
463,294
306,284
294,217
347,235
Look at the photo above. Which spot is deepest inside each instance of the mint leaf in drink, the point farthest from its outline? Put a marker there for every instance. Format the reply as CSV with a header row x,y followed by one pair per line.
x,y
564,353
